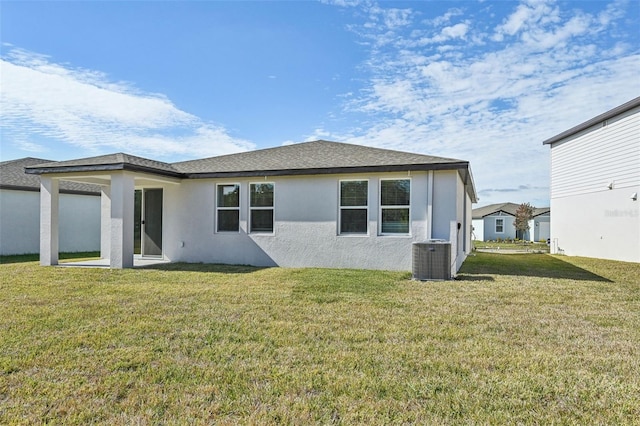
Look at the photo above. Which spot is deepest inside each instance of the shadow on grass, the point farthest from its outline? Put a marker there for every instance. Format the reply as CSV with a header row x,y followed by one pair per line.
x,y
35,257
204,267
469,277
530,265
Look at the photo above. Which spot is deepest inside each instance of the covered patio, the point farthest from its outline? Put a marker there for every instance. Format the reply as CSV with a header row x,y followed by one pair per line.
x,y
119,176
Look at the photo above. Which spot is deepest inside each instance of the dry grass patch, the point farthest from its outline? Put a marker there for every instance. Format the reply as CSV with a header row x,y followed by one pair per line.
x,y
517,339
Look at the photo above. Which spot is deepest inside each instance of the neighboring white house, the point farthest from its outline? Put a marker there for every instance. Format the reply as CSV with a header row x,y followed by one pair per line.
x,y
20,211
313,204
496,221
595,181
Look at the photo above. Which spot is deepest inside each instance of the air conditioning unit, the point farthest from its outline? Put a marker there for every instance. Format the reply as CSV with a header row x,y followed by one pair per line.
x,y
431,260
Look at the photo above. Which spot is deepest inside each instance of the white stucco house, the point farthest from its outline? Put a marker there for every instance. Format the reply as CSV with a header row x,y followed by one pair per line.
x,y
595,183
313,204
496,221
79,207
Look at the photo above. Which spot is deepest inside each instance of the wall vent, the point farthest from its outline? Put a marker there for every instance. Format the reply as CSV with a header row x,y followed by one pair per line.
x,y
431,260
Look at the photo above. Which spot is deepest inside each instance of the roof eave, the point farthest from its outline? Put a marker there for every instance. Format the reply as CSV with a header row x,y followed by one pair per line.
x,y
36,170
36,189
467,178
498,211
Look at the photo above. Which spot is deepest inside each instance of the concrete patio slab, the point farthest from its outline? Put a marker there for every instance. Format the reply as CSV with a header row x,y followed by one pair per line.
x,y
138,262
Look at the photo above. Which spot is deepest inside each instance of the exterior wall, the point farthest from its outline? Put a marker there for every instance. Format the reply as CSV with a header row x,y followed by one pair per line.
x,y
478,229
445,204
606,226
490,227
79,226
79,223
19,222
306,229
469,223
593,177
448,211
540,228
460,226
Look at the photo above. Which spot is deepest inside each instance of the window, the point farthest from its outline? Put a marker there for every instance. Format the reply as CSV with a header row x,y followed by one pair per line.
x,y
395,197
228,208
499,226
354,206
261,207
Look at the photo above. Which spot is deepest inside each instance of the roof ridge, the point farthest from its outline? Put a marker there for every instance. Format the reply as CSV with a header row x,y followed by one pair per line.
x,y
25,159
315,142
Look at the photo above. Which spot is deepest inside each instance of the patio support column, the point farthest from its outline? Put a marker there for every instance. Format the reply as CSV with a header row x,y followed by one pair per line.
x,y
49,202
105,222
122,195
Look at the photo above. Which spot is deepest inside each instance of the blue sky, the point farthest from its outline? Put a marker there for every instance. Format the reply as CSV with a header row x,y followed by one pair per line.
x,y
483,81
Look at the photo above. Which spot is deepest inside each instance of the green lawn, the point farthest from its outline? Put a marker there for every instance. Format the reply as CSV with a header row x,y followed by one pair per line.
x,y
519,339
62,256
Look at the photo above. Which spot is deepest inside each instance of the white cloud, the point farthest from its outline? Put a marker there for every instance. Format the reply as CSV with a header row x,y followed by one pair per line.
x,y
527,15
28,146
614,10
344,3
85,109
455,31
394,18
494,105
446,18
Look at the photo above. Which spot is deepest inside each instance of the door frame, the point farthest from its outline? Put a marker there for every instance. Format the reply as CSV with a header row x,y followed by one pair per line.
x,y
140,210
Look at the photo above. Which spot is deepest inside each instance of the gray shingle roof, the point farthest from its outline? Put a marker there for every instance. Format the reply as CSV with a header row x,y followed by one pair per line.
x,y
13,176
508,208
318,157
312,157
308,157
117,161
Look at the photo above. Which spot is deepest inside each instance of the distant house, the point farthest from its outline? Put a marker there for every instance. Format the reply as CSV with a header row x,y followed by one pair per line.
x,y
496,221
313,204
595,181
79,228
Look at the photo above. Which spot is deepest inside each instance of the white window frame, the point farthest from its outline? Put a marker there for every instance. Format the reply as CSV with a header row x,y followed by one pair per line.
x,y
341,207
272,208
218,208
397,207
496,227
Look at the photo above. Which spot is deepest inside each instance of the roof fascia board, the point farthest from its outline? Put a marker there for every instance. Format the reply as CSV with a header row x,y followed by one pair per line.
x,y
101,168
498,213
507,213
31,170
61,191
467,179
136,168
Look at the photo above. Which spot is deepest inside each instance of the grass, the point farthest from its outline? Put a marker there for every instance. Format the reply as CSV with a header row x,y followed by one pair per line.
x,y
530,339
31,257
512,245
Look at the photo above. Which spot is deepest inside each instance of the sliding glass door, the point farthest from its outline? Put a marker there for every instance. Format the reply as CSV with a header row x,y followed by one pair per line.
x,y
147,228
